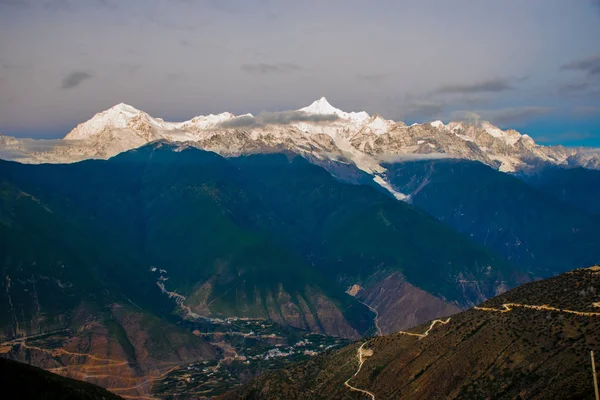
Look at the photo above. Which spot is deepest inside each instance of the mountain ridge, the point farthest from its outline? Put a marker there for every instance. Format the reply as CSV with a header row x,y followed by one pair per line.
x,y
321,132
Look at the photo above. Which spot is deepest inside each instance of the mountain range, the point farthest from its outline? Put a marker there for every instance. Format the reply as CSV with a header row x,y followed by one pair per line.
x,y
129,246
320,132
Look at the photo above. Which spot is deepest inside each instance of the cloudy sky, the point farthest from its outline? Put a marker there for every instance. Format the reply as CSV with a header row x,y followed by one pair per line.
x,y
533,65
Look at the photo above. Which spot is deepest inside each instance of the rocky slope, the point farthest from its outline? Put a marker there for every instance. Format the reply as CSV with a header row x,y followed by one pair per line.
x,y
532,342
320,132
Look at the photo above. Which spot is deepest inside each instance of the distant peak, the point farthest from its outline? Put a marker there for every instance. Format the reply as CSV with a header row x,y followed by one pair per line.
x,y
124,108
323,100
322,106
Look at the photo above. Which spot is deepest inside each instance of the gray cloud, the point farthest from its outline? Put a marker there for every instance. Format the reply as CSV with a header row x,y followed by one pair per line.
x,y
575,87
590,65
396,158
264,68
75,79
493,85
503,116
275,118
423,110
244,121
19,148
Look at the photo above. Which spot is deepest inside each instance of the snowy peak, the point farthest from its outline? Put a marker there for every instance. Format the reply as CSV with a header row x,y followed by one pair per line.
x,y
207,121
123,108
509,137
322,107
354,137
379,125
116,117
437,124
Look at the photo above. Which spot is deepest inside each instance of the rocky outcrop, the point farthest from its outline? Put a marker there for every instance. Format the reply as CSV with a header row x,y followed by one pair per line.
x,y
402,305
310,310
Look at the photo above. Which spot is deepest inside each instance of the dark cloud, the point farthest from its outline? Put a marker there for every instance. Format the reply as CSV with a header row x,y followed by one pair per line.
x,y
75,79
275,118
423,110
575,87
590,65
398,158
264,68
244,121
494,85
503,116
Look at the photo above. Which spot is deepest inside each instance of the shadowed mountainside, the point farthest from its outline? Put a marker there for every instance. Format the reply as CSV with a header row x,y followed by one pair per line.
x,y
25,382
528,226
536,347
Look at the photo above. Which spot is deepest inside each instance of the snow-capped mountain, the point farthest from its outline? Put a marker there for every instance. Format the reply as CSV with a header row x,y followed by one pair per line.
x,y
351,138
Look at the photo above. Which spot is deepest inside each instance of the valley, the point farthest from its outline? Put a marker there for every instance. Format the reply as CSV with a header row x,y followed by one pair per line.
x,y
246,348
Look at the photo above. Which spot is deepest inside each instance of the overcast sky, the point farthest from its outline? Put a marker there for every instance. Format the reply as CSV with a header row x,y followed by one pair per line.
x,y
529,64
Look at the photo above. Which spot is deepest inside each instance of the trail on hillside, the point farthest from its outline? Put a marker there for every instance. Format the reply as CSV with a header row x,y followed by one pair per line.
x,y
422,335
362,354
90,372
507,307
361,360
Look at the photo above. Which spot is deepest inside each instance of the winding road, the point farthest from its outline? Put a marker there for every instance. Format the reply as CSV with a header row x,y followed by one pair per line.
x,y
362,354
422,335
361,360
509,307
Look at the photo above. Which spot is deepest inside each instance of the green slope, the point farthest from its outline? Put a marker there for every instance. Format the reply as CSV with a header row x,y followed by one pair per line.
x,y
260,236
